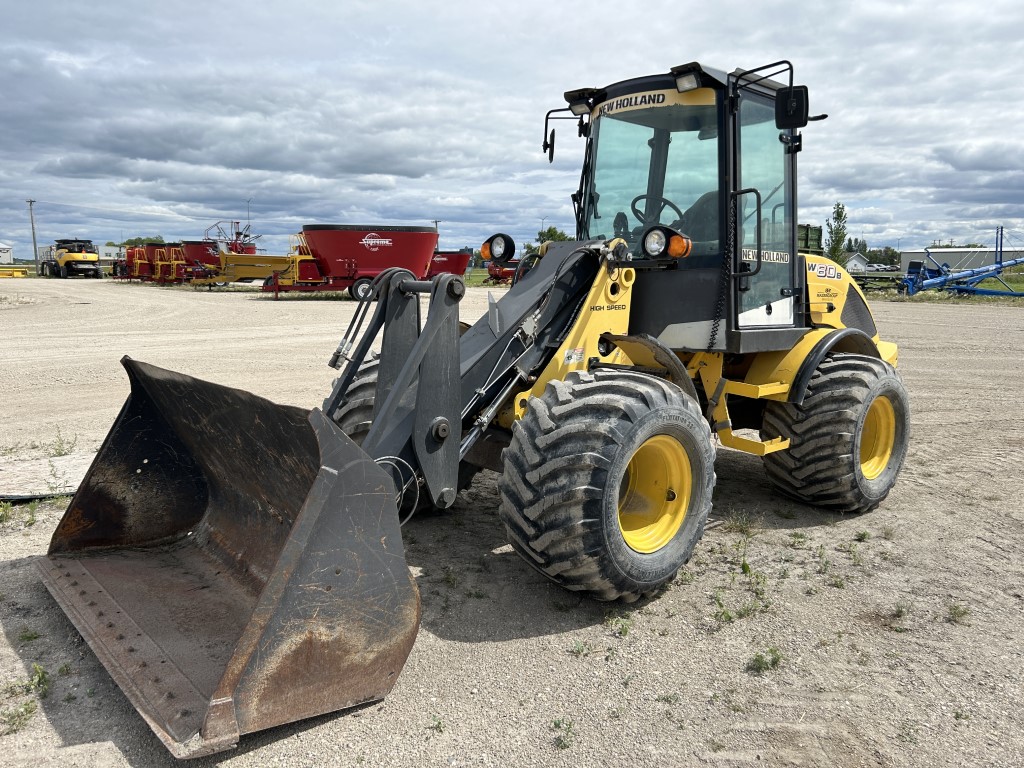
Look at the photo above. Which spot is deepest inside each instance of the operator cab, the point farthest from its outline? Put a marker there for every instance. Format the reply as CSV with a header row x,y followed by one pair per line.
x,y
709,156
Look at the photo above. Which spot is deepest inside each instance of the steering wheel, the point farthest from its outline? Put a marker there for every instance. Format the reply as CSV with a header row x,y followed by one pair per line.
x,y
665,203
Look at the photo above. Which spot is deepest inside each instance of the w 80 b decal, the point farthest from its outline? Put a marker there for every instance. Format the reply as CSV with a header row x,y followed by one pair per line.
x,y
825,271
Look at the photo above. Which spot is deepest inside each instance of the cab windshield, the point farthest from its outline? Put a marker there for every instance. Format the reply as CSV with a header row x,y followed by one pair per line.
x,y
655,165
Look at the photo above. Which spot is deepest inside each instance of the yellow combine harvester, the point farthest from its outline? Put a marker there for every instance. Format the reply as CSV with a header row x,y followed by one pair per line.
x,y
70,257
238,564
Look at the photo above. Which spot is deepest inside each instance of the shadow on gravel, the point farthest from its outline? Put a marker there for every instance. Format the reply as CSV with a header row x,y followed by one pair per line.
x,y
474,587
745,498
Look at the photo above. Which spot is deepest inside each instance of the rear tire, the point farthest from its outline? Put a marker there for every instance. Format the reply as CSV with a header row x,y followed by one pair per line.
x,y
608,483
63,271
849,436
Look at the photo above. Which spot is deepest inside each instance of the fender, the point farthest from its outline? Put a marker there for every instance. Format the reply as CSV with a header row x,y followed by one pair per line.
x,y
796,365
841,340
645,350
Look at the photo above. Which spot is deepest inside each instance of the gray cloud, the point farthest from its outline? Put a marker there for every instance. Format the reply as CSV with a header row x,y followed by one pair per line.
x,y
129,118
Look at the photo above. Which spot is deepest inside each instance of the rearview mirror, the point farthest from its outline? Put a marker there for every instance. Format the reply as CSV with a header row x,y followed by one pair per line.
x,y
791,108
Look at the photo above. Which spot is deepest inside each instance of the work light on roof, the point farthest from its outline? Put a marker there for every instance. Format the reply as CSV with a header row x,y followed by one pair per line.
x,y
687,77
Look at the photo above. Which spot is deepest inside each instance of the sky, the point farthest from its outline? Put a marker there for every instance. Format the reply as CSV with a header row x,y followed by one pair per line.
x,y
124,119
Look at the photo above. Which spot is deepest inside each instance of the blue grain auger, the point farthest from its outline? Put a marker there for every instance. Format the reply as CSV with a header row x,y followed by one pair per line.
x,y
921,277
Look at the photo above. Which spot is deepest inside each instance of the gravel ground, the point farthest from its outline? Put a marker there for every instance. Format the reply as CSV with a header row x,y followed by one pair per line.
x,y
888,639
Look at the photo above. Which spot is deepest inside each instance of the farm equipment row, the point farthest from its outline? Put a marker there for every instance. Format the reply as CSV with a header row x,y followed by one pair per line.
x,y
922,276
321,258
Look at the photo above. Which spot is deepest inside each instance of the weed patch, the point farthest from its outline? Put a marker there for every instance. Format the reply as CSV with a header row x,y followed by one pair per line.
x,y
565,736
764,662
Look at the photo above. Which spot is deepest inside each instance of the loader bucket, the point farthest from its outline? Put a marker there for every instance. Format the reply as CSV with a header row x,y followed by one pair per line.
x,y
235,564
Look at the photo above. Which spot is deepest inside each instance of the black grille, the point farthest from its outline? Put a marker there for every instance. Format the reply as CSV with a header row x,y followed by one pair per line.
x,y
856,313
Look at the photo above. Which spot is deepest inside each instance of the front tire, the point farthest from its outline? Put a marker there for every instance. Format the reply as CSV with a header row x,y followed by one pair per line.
x,y
849,436
361,288
355,417
608,483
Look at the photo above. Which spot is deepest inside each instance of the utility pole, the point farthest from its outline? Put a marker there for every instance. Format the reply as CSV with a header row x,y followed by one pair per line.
x,y
35,249
436,222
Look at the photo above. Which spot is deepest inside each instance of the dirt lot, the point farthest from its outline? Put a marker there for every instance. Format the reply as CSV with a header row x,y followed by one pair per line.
x,y
890,639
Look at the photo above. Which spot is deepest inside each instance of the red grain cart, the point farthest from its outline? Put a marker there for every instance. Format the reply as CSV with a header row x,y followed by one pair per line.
x,y
349,256
451,262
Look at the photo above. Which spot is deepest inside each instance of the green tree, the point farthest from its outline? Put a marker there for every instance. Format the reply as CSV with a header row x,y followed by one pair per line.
x,y
836,228
543,236
551,233
139,241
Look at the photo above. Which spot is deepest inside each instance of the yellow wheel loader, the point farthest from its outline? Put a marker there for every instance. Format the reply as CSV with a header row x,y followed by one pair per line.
x,y
237,564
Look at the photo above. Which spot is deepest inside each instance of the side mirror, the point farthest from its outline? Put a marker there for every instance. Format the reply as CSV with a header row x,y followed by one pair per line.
x,y
549,145
791,110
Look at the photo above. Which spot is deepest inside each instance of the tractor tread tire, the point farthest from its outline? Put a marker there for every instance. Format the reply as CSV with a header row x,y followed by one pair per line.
x,y
557,501
356,415
822,465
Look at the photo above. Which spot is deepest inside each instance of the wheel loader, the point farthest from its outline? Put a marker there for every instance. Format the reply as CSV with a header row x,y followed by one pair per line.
x,y
237,564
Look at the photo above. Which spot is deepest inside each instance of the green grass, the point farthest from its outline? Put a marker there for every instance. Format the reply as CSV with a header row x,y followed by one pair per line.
x,y
13,719
475,277
763,662
619,625
579,648
62,446
28,635
565,736
957,613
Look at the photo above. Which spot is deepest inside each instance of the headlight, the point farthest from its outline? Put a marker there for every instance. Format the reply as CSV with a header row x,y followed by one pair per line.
x,y
498,248
661,242
655,243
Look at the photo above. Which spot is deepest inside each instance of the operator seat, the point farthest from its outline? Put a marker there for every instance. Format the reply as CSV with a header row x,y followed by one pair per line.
x,y
700,220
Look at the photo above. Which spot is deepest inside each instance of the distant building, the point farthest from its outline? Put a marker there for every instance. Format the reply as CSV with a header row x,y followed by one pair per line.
x,y
855,261
6,254
958,259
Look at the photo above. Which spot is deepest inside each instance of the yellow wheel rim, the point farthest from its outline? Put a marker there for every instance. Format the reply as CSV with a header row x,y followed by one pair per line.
x,y
877,438
654,494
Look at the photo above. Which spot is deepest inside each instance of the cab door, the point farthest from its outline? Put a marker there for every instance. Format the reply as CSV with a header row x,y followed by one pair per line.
x,y
765,211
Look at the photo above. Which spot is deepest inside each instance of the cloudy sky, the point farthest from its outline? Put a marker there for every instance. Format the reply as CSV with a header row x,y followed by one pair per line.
x,y
127,118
